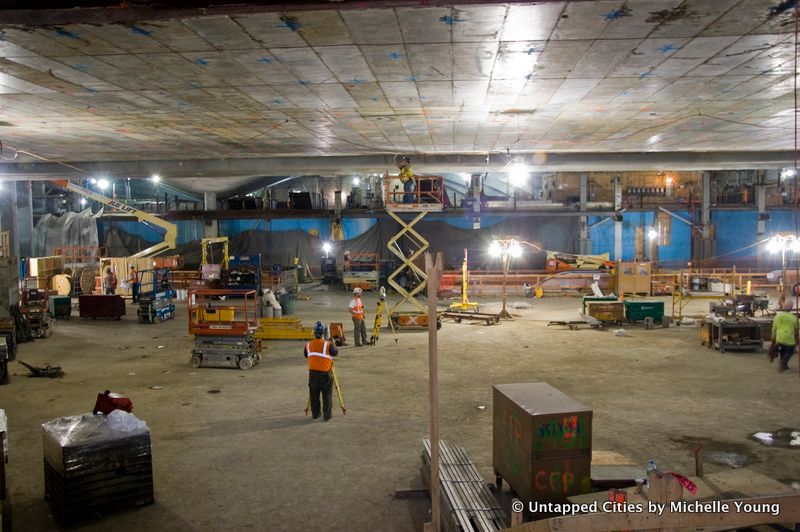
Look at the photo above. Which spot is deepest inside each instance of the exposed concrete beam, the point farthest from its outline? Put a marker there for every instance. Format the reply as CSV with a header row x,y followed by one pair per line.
x,y
283,166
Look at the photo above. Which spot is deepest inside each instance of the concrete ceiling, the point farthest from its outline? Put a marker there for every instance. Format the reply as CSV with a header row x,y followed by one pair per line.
x,y
581,78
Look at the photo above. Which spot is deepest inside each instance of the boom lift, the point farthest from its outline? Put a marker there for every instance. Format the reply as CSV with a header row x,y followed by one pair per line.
x,y
170,229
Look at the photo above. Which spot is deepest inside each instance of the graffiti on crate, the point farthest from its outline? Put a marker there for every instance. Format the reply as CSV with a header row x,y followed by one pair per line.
x,y
565,433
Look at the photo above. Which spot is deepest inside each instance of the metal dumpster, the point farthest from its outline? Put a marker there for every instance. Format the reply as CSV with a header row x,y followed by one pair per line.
x,y
542,442
639,310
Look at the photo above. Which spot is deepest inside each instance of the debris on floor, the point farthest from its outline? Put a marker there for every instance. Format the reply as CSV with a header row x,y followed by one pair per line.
x,y
156,387
481,407
214,391
48,371
785,437
689,321
619,332
520,305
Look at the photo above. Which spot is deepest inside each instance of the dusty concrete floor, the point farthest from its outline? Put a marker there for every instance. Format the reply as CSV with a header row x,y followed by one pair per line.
x,y
247,458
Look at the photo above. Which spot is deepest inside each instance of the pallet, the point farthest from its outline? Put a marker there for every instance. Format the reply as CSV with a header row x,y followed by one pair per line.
x,y
283,329
488,319
467,503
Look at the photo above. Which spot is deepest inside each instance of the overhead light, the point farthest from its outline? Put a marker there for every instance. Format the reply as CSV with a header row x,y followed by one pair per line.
x,y
495,249
787,173
518,174
83,202
775,244
356,181
102,184
669,181
93,181
327,247
652,234
514,249
155,178
794,245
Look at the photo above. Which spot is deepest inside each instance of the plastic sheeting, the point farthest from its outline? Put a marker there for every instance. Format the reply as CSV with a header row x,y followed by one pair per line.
x,y
69,229
554,233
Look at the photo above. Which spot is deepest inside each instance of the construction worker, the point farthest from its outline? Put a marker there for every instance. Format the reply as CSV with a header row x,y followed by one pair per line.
x,y
320,353
357,312
407,177
133,280
785,336
110,281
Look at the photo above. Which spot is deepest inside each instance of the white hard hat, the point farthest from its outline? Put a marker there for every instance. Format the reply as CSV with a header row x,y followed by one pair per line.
x,y
357,290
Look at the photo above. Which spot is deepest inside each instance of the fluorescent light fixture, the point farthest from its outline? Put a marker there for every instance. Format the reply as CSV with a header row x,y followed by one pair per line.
x,y
102,184
93,181
356,181
83,202
518,174
155,178
327,247
495,249
514,249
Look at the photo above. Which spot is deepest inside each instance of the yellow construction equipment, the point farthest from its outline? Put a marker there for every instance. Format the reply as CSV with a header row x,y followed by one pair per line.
x,y
376,326
170,229
283,329
465,305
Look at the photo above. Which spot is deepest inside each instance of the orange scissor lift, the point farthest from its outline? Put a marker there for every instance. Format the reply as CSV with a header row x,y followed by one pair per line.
x,y
223,323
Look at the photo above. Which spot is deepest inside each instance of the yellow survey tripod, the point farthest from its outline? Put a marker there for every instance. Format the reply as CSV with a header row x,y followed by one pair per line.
x,y
338,393
376,327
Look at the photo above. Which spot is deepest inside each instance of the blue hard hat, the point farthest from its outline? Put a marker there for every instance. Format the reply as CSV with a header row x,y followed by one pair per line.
x,y
319,329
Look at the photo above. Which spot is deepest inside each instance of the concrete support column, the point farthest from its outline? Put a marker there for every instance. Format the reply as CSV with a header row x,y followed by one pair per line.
x,y
617,218
24,213
210,227
584,244
707,249
8,215
761,203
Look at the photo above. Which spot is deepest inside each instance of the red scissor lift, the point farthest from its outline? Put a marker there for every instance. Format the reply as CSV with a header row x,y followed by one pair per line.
x,y
223,323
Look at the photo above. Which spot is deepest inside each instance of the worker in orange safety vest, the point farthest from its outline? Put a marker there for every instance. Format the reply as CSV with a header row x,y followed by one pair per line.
x,y
357,312
320,353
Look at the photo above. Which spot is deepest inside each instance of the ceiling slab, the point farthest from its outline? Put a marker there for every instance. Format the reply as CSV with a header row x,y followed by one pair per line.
x,y
354,80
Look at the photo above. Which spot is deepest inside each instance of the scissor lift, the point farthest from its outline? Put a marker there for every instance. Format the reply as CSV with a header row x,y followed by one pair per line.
x,y
427,197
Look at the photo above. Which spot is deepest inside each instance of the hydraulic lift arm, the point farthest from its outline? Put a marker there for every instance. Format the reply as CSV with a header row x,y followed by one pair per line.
x,y
170,229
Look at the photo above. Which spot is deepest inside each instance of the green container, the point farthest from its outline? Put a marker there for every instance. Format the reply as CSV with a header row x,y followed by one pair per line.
x,y
60,307
588,299
639,310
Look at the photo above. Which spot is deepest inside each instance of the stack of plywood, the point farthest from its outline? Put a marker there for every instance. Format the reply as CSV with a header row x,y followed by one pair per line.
x,y
44,268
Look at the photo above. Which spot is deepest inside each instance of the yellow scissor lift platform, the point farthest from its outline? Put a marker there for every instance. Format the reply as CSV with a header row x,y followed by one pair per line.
x,y
427,197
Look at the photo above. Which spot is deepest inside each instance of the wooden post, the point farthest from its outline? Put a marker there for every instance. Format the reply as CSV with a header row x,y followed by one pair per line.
x,y
433,271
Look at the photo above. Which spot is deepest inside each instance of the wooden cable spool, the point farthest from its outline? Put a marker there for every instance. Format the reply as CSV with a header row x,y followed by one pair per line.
x,y
61,284
83,280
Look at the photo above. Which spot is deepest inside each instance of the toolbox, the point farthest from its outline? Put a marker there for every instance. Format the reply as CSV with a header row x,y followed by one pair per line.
x,y
541,442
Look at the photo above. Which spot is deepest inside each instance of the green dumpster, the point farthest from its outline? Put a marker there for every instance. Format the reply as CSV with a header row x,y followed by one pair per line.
x,y
639,310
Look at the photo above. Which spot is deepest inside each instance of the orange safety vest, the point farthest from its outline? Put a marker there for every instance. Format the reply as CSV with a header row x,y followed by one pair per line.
x,y
358,309
318,357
